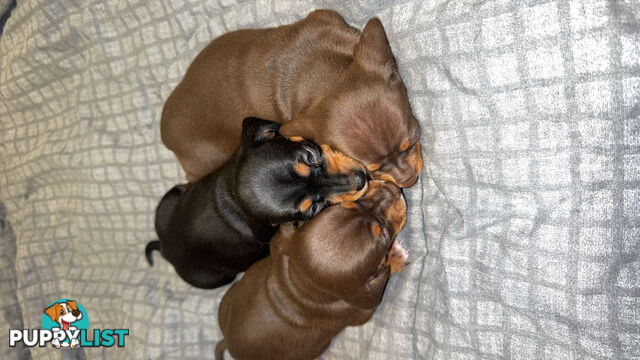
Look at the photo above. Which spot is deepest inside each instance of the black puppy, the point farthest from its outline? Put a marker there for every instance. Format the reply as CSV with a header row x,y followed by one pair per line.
x,y
215,228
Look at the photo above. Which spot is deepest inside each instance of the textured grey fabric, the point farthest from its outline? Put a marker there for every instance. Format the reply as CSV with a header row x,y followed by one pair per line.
x,y
523,230
5,5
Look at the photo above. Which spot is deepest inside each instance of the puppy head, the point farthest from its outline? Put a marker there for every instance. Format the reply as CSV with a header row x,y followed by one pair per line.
x,y
285,180
64,313
367,114
342,248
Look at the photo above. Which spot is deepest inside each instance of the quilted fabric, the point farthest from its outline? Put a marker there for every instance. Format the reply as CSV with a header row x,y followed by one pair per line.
x,y
523,230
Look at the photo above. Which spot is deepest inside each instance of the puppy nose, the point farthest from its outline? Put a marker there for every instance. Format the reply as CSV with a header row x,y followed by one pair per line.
x,y
361,180
75,313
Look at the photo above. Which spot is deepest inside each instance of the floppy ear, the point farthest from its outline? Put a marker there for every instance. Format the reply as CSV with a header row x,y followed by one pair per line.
x,y
72,304
258,130
53,311
370,294
373,50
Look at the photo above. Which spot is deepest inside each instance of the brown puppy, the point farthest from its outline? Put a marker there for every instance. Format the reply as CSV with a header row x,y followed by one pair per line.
x,y
322,79
326,275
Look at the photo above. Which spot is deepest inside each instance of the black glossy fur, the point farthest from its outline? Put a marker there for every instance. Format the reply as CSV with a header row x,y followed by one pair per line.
x,y
215,228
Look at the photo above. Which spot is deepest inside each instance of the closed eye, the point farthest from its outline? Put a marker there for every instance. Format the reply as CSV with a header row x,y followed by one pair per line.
x,y
315,209
310,158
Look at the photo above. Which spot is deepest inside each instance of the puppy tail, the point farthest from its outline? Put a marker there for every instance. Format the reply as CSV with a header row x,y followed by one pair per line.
x,y
153,245
220,348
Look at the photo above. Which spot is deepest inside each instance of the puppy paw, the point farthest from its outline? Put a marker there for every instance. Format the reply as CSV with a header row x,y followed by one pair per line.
x,y
397,258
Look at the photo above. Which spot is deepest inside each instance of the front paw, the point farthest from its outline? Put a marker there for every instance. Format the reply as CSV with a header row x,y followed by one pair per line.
x,y
397,258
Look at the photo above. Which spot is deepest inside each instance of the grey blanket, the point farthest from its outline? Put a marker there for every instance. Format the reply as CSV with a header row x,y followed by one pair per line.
x,y
523,230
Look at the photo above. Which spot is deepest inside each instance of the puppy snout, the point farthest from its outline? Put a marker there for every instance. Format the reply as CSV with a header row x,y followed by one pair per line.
x,y
402,170
344,178
401,177
394,189
407,179
344,188
75,313
388,197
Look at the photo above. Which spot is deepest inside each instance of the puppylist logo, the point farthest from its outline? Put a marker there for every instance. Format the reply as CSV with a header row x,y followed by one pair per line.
x,y
65,324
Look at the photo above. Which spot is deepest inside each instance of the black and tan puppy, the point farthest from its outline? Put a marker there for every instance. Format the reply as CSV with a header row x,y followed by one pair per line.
x,y
215,228
321,277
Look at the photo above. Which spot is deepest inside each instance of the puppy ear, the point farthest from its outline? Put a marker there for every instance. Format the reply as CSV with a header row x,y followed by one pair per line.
x,y
373,50
72,304
258,130
369,296
53,311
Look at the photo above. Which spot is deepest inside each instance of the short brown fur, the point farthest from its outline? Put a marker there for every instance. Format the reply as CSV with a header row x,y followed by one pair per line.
x,y
325,81
315,282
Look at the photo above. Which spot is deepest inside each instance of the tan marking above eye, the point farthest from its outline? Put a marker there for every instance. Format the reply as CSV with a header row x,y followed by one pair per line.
x,y
295,138
405,144
302,169
305,205
375,229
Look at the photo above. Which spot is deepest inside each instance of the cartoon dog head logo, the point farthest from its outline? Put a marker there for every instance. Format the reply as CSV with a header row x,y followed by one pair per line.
x,y
65,316
64,313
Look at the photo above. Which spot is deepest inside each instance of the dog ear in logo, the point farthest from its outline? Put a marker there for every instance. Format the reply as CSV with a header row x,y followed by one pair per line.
x,y
53,311
72,304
